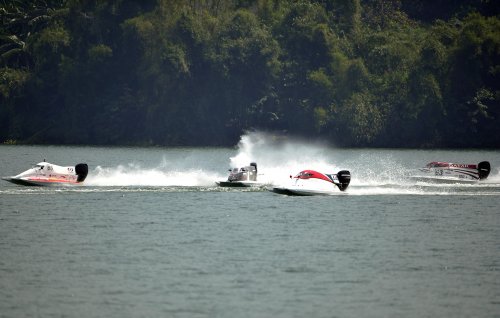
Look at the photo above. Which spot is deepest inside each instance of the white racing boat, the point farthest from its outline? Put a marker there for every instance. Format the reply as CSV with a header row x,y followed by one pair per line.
x,y
241,177
45,174
447,172
310,182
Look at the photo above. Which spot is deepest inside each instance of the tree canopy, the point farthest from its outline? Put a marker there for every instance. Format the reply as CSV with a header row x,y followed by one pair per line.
x,y
378,73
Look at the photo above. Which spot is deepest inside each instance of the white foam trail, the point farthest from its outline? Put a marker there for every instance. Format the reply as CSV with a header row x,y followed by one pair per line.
x,y
493,178
134,175
374,190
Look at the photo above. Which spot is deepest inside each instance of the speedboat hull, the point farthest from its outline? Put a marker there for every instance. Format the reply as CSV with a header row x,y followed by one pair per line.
x,y
297,191
310,182
239,184
449,173
441,180
40,182
47,174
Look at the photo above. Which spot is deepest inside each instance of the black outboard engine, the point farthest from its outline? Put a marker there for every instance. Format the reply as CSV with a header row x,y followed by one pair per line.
x,y
483,169
81,171
252,175
344,178
253,164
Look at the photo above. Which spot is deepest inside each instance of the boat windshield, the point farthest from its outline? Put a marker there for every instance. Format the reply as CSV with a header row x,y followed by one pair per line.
x,y
304,175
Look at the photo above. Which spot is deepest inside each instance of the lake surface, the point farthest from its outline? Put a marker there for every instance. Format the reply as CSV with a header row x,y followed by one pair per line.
x,y
150,235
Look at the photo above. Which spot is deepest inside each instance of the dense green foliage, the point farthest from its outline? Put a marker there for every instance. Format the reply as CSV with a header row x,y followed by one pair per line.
x,y
390,73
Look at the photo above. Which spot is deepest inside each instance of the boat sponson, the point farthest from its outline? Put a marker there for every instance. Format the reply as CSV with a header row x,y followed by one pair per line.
x,y
233,184
21,182
286,191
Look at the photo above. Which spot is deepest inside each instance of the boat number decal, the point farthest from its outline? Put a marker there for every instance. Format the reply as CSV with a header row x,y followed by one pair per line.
x,y
439,172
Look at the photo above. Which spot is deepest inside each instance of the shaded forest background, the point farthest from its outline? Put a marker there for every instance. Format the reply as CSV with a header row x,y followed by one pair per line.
x,y
379,73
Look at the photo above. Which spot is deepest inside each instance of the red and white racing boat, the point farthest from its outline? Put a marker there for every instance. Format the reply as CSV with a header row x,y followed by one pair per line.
x,y
311,182
447,172
44,174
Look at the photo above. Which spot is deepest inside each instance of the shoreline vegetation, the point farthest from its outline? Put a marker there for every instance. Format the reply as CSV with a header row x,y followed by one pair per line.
x,y
373,73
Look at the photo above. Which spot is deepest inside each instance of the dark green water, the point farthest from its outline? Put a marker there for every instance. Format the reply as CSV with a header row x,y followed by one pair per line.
x,y
151,236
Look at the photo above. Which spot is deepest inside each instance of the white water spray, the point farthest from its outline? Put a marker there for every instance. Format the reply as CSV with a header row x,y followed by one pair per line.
x,y
373,172
135,175
278,157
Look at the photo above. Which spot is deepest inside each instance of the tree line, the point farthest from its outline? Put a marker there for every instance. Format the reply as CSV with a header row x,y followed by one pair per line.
x,y
357,73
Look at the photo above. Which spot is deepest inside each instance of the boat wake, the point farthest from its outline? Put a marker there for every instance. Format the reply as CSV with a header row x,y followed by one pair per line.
x,y
278,158
136,176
